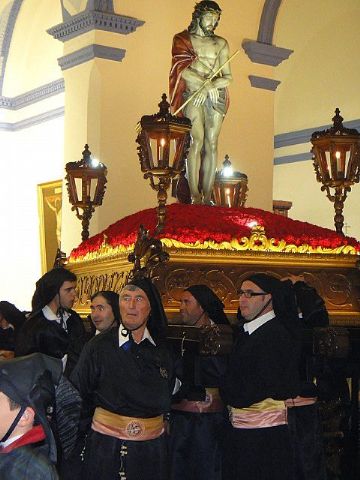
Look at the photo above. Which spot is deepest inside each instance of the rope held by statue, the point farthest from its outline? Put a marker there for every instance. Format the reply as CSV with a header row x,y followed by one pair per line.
x,y
206,81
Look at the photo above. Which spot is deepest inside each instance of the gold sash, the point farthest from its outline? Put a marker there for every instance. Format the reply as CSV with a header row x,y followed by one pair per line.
x,y
127,428
264,414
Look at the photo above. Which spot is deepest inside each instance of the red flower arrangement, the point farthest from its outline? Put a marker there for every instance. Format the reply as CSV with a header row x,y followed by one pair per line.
x,y
195,223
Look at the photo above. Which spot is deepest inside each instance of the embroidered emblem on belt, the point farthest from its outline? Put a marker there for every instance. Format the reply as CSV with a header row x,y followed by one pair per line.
x,y
208,400
134,429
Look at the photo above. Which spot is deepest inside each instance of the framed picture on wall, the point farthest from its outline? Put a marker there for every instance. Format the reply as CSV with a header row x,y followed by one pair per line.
x,y
49,205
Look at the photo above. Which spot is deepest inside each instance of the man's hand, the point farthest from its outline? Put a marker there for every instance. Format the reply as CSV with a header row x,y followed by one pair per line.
x,y
208,90
200,98
213,93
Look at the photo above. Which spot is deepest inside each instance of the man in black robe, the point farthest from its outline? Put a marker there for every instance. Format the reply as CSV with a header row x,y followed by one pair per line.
x,y
303,414
262,374
52,327
198,414
125,376
27,388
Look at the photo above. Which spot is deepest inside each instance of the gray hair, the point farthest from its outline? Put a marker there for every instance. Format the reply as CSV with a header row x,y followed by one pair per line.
x,y
130,287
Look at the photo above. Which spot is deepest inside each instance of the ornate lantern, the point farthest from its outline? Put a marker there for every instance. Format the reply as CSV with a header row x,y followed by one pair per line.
x,y
230,187
86,181
337,163
164,141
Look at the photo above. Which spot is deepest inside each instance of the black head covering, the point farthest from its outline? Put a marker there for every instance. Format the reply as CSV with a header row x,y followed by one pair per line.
x,y
30,381
267,283
283,299
210,303
48,286
157,322
113,300
12,314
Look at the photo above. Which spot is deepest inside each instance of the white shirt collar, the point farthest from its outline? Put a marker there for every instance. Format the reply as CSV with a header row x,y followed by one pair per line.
x,y
250,327
50,315
10,440
123,338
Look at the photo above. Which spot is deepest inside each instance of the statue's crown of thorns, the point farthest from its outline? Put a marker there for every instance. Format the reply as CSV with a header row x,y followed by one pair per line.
x,y
208,6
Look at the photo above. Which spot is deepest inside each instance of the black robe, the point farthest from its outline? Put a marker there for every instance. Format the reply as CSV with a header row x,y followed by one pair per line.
x,y
38,334
304,422
27,462
196,438
262,365
134,383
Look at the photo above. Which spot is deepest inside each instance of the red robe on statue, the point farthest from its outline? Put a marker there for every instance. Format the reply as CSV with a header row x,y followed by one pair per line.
x,y
183,55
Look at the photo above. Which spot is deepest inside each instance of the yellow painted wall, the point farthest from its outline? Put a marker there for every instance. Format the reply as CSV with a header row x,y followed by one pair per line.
x,y
323,73
33,54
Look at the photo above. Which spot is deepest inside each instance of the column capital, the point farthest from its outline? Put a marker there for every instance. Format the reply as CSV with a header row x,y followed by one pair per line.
x,y
94,20
264,53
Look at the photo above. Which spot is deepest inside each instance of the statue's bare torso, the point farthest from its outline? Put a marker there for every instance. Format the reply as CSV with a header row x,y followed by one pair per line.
x,y
206,89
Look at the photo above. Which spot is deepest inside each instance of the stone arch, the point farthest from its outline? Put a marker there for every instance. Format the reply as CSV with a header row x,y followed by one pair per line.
x,y
267,21
7,25
262,50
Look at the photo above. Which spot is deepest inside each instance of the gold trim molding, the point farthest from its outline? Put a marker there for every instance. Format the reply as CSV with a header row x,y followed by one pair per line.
x,y
334,274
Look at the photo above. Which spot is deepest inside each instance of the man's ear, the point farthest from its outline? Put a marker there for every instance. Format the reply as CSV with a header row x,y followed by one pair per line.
x,y
27,417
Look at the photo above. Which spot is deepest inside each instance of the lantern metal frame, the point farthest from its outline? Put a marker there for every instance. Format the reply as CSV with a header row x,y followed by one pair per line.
x,y
159,162
85,170
230,190
336,160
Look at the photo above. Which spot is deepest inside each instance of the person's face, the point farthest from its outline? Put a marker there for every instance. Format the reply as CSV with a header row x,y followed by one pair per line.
x,y
67,294
251,307
102,315
3,322
208,22
7,416
190,309
134,309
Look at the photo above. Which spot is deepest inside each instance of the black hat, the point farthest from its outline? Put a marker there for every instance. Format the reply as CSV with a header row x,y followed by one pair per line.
x,y
210,303
48,286
283,299
268,283
12,314
157,322
30,381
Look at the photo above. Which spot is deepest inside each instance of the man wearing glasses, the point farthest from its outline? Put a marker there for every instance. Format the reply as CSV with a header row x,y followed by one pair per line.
x,y
263,373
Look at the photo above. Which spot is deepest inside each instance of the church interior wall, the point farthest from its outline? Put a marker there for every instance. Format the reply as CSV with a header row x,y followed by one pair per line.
x,y
29,157
323,73
32,58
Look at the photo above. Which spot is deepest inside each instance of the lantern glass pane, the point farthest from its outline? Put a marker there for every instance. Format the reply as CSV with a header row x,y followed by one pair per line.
x,y
78,186
153,149
92,188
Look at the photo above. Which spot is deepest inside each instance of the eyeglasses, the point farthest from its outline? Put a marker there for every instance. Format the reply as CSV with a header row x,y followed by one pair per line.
x,y
249,293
